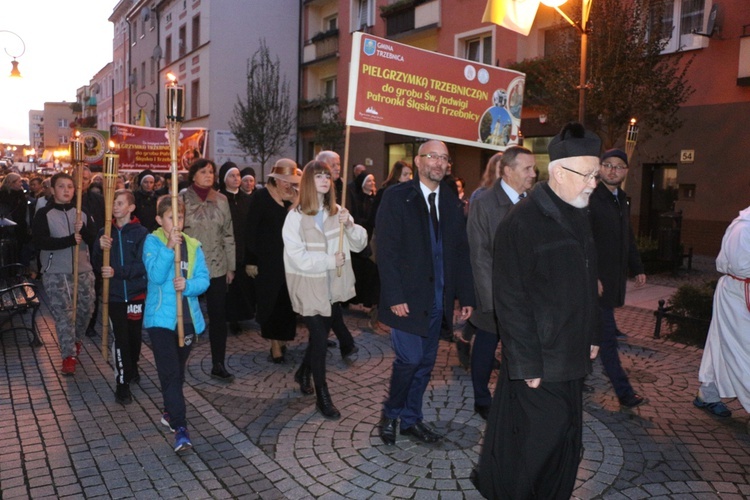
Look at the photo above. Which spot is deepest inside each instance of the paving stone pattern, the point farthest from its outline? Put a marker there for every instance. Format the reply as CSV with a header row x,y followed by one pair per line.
x,y
259,437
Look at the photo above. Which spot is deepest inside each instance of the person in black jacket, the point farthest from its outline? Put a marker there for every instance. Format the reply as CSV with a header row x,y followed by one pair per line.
x,y
616,253
545,295
423,259
127,289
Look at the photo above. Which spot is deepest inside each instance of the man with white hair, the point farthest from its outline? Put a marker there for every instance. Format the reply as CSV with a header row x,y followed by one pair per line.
x,y
545,294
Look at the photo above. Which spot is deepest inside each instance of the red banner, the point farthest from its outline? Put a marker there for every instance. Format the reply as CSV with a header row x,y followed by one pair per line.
x,y
145,147
402,89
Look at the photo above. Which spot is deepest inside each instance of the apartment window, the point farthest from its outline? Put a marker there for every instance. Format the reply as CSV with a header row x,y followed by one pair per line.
x,y
62,139
363,14
677,20
143,74
195,92
62,122
168,50
182,40
134,78
153,70
475,46
196,32
329,88
331,23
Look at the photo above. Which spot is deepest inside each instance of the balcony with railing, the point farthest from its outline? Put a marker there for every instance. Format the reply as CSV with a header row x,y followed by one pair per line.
x,y
405,16
322,46
315,112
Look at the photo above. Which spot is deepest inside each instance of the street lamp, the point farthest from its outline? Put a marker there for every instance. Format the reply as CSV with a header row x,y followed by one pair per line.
x,y
154,105
14,72
583,29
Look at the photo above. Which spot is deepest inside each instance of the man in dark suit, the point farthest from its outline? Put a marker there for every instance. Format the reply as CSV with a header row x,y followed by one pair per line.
x,y
545,293
423,259
516,176
616,253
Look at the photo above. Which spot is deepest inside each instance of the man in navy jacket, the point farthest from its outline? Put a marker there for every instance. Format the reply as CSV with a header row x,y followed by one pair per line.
x,y
423,259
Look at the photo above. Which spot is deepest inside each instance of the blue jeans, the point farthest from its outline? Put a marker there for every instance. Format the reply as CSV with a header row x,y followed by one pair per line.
x,y
412,369
609,355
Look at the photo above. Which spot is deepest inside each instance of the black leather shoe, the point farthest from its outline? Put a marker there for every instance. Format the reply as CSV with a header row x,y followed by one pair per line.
x,y
421,432
221,373
388,430
632,401
325,404
331,343
483,410
348,351
122,394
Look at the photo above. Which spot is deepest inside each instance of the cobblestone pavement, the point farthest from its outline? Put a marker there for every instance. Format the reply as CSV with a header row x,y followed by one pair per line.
x,y
260,438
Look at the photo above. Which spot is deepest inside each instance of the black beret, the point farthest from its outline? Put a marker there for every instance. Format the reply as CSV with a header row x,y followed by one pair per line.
x,y
574,140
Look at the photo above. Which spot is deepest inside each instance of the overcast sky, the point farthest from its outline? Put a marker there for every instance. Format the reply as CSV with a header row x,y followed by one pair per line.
x,y
67,43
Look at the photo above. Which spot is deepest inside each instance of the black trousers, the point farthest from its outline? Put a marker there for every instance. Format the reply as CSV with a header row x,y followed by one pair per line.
x,y
342,333
316,352
217,318
170,365
126,319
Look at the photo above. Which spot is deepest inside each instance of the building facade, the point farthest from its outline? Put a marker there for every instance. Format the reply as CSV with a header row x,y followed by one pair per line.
x,y
58,116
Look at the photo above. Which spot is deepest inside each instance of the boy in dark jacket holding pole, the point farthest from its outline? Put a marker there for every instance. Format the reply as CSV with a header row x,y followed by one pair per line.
x,y
127,290
57,235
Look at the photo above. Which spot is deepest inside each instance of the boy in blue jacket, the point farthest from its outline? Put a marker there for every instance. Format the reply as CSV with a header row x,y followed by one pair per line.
x,y
127,289
160,317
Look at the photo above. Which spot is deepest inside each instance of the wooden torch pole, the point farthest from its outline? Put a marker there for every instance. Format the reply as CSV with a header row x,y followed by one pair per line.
x,y
111,164
76,156
344,171
174,117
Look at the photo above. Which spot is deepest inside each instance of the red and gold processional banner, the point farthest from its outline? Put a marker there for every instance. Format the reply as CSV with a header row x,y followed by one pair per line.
x,y
402,89
146,147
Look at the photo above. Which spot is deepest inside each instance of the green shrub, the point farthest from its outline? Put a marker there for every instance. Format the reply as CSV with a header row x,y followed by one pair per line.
x,y
690,315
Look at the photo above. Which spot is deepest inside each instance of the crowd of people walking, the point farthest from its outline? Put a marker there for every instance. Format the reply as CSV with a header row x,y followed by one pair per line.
x,y
534,267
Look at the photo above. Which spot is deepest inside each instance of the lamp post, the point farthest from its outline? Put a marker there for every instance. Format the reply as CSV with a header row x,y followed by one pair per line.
x,y
154,105
583,29
14,72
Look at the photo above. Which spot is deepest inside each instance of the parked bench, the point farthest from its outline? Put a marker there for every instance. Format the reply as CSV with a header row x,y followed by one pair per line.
x,y
17,296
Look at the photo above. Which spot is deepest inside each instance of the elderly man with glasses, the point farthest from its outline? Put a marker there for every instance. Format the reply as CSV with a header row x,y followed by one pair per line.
x,y
616,253
423,259
545,294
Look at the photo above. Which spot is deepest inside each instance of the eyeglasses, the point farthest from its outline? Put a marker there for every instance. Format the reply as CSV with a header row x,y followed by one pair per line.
x,y
614,167
586,177
435,157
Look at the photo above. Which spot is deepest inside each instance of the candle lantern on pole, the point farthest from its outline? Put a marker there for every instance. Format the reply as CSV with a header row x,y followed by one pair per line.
x,y
111,165
76,157
174,116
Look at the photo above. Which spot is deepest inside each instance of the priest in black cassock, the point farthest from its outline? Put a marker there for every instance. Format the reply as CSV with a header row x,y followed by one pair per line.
x,y
545,294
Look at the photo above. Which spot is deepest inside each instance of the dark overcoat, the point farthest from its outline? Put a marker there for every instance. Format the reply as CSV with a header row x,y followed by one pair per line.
x,y
485,213
615,243
545,288
265,249
405,256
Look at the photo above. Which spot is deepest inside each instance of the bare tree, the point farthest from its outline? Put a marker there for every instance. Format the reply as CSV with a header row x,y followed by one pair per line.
x,y
628,76
263,121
